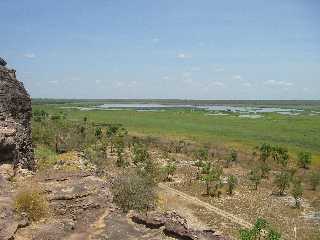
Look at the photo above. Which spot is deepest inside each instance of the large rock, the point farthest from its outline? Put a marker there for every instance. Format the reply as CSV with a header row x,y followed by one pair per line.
x,y
15,121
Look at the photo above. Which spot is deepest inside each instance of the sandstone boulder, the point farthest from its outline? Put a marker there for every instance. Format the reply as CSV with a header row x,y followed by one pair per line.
x,y
15,122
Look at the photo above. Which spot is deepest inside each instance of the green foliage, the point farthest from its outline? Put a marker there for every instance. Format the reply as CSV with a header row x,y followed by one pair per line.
x,y
282,181
297,191
304,159
133,192
232,157
232,182
46,158
280,155
119,145
140,154
265,169
261,230
255,176
211,176
98,132
39,115
314,179
265,151
31,201
168,170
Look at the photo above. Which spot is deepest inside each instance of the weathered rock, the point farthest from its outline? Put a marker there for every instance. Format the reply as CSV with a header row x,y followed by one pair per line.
x,y
15,121
174,226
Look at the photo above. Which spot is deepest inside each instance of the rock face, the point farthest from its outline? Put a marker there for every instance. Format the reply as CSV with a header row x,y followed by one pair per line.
x,y
15,121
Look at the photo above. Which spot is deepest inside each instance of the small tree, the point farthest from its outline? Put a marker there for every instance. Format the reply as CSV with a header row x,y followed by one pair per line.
x,y
232,181
304,159
314,179
255,177
200,156
168,170
260,230
282,181
265,169
280,155
232,157
265,151
210,175
119,146
297,191
140,154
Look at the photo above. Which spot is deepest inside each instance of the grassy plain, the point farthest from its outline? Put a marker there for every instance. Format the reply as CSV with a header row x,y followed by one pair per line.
x,y
298,133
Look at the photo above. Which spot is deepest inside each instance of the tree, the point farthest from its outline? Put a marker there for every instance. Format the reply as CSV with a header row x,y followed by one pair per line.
x,y
119,146
168,170
280,155
255,177
282,181
211,175
200,156
233,156
265,169
297,191
265,151
140,154
304,159
314,179
98,133
260,230
232,181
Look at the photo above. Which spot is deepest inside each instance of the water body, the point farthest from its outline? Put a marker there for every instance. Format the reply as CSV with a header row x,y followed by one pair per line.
x,y
217,108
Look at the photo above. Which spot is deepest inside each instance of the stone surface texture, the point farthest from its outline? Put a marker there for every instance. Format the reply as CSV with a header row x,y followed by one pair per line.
x,y
15,122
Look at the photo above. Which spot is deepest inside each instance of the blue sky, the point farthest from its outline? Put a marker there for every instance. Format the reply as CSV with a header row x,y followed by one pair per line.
x,y
205,49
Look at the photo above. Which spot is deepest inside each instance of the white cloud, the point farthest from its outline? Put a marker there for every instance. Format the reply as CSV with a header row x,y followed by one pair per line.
x,y
29,55
217,84
155,40
183,56
195,69
272,82
247,84
219,69
118,84
132,84
53,82
237,77
165,77
98,81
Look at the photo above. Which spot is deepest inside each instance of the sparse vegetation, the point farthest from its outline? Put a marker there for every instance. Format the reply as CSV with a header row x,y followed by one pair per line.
x,y
314,179
232,182
133,192
282,181
297,191
304,159
31,201
255,177
260,230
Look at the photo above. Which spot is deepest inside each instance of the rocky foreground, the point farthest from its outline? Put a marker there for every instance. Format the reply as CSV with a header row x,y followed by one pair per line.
x,y
81,207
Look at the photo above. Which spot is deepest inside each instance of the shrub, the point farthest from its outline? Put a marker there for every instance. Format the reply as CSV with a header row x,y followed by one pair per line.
x,y
255,177
46,158
232,181
31,202
282,181
314,179
280,155
260,230
211,175
133,192
297,191
265,151
304,159
265,169
140,154
168,170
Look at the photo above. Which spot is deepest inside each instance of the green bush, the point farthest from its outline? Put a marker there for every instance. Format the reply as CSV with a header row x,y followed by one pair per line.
x,y
304,159
32,202
46,158
314,179
232,182
133,192
282,181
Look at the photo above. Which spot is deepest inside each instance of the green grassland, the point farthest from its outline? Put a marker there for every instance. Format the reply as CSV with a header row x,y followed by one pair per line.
x,y
298,133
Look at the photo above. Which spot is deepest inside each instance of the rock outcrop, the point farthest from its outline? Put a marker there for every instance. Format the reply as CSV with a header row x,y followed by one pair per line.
x,y
15,121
